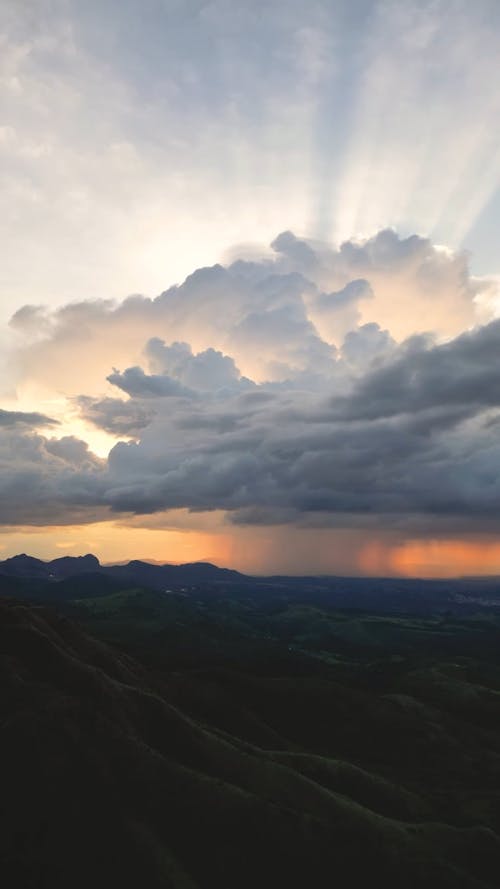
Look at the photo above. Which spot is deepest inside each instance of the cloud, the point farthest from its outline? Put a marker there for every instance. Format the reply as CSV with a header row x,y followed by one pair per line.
x,y
275,318
114,128
23,418
338,313
48,481
114,415
366,345
461,374
73,452
208,370
410,280
238,401
413,445
135,382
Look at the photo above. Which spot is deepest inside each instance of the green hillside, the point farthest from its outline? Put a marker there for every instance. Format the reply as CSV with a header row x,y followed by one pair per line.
x,y
219,743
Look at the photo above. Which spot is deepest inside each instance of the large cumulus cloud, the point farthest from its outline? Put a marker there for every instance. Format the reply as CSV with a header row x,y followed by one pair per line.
x,y
270,390
283,314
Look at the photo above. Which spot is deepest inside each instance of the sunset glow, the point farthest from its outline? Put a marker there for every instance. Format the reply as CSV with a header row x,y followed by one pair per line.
x,y
431,558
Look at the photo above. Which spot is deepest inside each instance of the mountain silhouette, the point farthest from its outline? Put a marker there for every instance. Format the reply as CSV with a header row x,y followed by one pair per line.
x,y
134,572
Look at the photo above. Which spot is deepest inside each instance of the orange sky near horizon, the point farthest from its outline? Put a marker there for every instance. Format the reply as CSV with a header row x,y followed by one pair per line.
x,y
261,550
432,558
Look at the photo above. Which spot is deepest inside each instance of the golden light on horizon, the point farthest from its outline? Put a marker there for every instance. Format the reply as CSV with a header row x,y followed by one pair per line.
x,y
257,551
446,558
432,558
114,542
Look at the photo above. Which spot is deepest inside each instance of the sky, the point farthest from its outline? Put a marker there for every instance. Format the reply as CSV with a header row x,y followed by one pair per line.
x,y
250,284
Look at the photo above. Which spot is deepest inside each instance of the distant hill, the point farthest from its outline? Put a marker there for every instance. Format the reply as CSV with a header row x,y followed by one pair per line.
x,y
24,566
67,566
160,576
137,572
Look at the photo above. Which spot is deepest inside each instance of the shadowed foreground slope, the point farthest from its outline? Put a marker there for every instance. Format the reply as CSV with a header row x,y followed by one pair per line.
x,y
106,783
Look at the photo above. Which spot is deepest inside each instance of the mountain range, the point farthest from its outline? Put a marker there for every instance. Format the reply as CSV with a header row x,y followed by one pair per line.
x,y
154,575
63,577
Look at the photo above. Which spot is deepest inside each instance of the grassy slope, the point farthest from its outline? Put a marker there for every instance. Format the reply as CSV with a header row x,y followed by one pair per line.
x,y
252,748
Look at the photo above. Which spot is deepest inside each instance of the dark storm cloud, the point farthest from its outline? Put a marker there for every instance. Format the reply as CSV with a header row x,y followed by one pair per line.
x,y
367,345
47,481
389,467
22,418
463,374
135,382
413,438
114,415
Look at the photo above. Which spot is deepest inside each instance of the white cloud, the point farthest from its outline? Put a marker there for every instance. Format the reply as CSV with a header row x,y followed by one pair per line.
x,y
276,318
